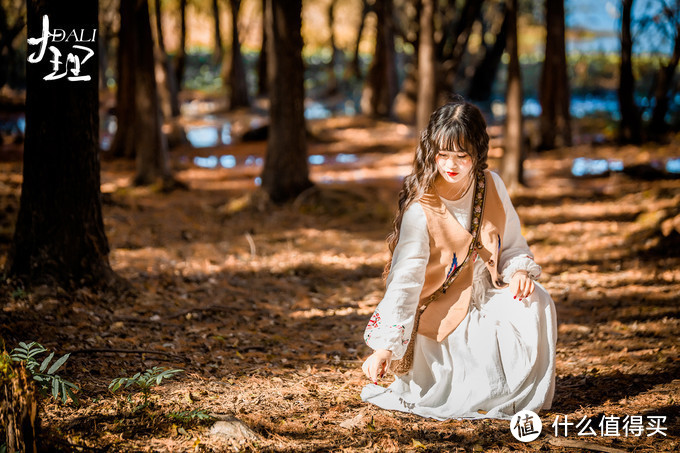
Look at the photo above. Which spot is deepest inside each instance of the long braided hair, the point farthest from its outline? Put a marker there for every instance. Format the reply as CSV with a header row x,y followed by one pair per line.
x,y
456,125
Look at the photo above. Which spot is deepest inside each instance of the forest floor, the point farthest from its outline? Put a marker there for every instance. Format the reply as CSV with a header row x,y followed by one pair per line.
x,y
264,307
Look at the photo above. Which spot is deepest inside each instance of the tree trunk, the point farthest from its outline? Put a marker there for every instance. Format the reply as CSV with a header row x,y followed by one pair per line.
x,y
332,85
353,69
629,128
59,237
167,86
19,410
512,161
262,83
461,34
139,115
482,81
181,57
381,84
657,126
285,173
7,35
219,51
238,88
426,66
555,119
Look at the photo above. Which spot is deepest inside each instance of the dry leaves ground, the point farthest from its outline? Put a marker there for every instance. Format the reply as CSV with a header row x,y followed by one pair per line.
x,y
264,307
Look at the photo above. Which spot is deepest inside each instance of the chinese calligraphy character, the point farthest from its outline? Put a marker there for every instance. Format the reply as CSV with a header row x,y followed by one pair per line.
x,y
527,427
655,425
633,425
565,424
582,432
609,426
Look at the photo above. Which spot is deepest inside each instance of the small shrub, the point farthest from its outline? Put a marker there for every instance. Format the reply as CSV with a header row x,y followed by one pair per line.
x,y
145,381
48,381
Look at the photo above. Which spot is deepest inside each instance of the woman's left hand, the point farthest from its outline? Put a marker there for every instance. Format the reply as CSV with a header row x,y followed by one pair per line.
x,y
521,285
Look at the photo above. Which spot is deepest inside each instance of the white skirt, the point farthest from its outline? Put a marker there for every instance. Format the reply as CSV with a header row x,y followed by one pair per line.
x,y
499,360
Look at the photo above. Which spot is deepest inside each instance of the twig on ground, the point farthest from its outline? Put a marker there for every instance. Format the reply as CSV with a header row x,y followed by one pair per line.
x,y
128,351
571,443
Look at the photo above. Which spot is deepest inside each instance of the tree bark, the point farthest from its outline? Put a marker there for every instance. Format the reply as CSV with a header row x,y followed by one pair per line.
x,y
286,173
59,236
19,410
458,44
332,86
381,84
555,119
139,132
238,88
181,57
167,86
354,69
512,161
262,83
483,79
630,125
7,35
426,66
657,126
219,50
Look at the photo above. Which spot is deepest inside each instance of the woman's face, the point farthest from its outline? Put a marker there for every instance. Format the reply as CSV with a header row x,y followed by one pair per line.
x,y
454,166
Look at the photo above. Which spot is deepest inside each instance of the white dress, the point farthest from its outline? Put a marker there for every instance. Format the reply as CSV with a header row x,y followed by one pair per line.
x,y
498,361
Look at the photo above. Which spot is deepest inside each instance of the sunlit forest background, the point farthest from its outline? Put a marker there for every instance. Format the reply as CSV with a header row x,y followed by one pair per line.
x,y
192,242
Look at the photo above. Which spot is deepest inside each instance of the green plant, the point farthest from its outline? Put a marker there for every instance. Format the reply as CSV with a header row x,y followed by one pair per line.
x,y
48,382
145,381
188,416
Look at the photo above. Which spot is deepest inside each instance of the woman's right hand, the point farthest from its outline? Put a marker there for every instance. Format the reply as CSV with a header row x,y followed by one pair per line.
x,y
376,364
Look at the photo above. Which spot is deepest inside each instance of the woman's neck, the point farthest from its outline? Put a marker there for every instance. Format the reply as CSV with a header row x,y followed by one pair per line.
x,y
452,191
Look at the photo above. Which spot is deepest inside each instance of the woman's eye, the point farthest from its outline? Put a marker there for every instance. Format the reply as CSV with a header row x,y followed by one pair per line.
x,y
463,156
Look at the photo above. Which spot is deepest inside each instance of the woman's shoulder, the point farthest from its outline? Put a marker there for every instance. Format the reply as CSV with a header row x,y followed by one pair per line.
x,y
500,185
414,216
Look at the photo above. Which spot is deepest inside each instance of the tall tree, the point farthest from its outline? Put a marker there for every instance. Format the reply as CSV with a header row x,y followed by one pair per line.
x,y
59,237
138,110
238,88
353,69
451,51
262,83
482,81
181,56
427,85
631,123
332,85
168,93
8,32
664,77
513,137
381,84
219,51
555,119
286,173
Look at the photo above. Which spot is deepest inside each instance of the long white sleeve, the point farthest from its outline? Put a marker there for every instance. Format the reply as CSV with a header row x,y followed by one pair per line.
x,y
391,325
515,252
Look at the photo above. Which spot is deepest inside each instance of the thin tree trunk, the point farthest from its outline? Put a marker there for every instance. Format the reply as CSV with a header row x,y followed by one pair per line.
x,y
512,161
555,119
332,86
482,81
353,68
286,173
167,85
657,126
630,125
180,59
238,88
461,35
139,132
59,236
262,83
426,66
219,50
381,84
